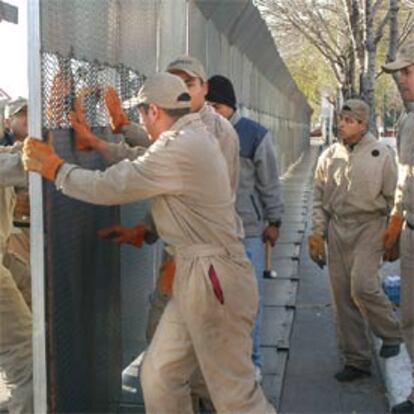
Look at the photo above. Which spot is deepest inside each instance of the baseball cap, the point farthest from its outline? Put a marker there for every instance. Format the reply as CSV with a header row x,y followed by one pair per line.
x,y
356,108
164,90
405,57
15,106
189,65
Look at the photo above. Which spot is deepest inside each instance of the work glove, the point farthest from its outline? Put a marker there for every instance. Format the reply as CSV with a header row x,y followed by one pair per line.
x,y
270,234
167,273
392,254
316,244
392,232
117,116
41,157
134,236
85,139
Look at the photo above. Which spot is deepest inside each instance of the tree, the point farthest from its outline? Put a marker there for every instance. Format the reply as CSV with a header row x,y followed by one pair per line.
x,y
347,34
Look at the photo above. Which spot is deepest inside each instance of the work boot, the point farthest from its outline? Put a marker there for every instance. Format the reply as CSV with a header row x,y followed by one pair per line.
x,y
388,351
350,373
404,407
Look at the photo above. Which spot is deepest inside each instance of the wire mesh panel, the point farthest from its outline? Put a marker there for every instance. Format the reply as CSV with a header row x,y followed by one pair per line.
x,y
85,49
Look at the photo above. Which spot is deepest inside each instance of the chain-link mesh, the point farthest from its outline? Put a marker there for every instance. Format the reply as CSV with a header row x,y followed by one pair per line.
x,y
97,300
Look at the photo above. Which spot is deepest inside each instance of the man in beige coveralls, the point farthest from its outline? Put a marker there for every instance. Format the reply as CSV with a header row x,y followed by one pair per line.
x,y
15,314
209,318
353,195
401,225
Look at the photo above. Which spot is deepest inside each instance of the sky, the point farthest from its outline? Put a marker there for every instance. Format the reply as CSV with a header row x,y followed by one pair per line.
x,y
13,52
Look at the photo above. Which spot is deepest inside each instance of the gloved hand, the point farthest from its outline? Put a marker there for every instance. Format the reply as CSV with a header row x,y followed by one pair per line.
x,y
270,234
393,254
392,232
40,157
85,140
316,244
167,273
117,116
122,234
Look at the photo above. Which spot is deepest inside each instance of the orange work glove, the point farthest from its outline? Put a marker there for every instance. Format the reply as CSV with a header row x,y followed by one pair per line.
x,y
392,232
122,234
85,140
167,273
117,116
393,254
40,157
316,244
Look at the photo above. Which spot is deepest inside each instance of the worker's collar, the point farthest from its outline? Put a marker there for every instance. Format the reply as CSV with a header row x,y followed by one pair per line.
x,y
235,117
185,120
206,108
360,143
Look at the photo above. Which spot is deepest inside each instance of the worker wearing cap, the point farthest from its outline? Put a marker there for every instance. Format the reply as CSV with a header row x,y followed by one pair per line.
x,y
355,180
259,196
401,225
207,322
193,74
18,246
15,122
15,314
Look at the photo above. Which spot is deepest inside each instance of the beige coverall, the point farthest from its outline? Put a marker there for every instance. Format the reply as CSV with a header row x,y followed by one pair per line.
x,y
137,139
353,196
404,205
15,315
209,319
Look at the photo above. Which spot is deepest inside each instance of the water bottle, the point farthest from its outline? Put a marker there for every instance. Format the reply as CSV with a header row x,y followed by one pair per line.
x,y
391,285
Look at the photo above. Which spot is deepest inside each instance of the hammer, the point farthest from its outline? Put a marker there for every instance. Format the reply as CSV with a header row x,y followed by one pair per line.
x,y
268,272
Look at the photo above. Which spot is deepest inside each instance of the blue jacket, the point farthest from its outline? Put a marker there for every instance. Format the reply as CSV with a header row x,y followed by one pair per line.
x,y
259,195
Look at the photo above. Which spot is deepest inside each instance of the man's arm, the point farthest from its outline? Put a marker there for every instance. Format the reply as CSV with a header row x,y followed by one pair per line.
x,y
319,215
135,135
268,183
390,178
148,176
397,209
11,170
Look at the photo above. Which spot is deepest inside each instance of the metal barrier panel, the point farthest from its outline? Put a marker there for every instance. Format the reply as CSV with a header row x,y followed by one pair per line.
x,y
83,298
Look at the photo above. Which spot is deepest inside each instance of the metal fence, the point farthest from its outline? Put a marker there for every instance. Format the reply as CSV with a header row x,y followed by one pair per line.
x,y
92,299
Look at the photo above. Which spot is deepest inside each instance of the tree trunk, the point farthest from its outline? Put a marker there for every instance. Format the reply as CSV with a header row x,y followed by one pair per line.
x,y
367,86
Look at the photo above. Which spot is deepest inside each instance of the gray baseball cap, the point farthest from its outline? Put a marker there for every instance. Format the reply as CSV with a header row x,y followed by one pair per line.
x,y
405,57
15,106
189,65
356,108
164,90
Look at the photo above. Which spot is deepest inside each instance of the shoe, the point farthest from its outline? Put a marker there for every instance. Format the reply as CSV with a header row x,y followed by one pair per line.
x,y
403,408
350,373
258,375
388,351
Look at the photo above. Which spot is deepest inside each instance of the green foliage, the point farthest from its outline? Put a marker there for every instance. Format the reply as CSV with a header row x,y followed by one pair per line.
x,y
312,75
